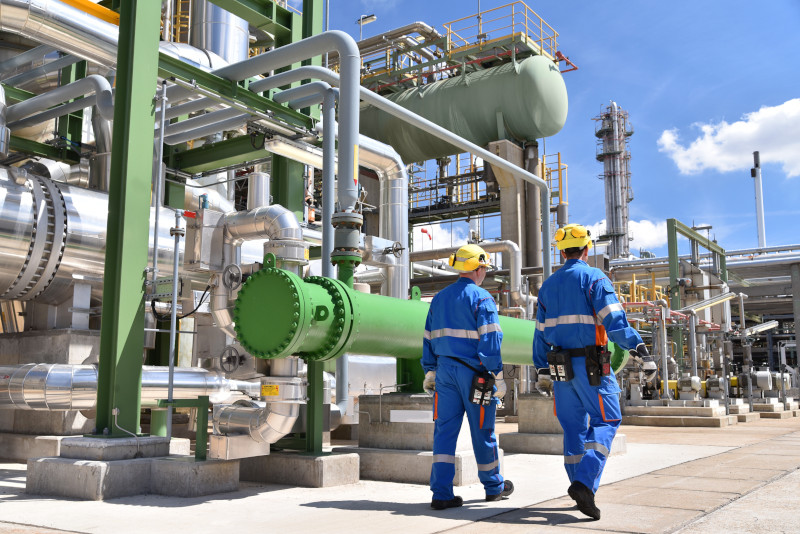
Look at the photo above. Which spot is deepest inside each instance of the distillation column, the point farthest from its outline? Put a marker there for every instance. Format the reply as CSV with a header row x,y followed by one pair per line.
x,y
613,131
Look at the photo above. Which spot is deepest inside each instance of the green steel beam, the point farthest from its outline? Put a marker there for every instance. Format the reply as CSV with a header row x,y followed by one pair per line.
x,y
675,227
263,14
221,154
121,340
33,148
289,184
674,264
169,67
70,127
14,95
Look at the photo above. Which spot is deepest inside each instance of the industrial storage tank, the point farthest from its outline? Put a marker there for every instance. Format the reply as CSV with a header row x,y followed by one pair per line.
x,y
528,99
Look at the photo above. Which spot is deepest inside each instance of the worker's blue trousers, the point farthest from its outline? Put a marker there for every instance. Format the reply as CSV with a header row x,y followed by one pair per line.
x,y
587,446
451,400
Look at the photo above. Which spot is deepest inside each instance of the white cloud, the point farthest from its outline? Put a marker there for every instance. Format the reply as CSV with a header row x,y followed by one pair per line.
x,y
772,130
646,234
438,236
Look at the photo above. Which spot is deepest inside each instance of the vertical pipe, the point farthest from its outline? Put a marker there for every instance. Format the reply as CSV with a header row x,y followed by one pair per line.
x,y
795,270
664,343
762,238
258,185
748,372
693,341
173,318
742,320
158,173
328,177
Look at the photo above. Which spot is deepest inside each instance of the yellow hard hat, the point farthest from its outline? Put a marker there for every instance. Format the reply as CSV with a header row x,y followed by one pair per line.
x,y
468,258
573,236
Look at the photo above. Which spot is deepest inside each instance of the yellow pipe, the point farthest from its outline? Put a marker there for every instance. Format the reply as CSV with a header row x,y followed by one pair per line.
x,y
95,10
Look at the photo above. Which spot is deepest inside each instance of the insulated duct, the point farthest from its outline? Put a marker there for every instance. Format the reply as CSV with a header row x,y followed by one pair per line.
x,y
50,387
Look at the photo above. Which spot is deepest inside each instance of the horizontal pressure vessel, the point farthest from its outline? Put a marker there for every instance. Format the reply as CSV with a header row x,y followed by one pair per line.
x,y
522,101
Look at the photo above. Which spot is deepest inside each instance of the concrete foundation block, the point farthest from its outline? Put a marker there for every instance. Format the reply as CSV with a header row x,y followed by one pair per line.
x,y
187,477
684,411
675,420
536,415
747,417
22,447
739,408
102,449
768,407
412,467
299,469
775,415
88,480
519,442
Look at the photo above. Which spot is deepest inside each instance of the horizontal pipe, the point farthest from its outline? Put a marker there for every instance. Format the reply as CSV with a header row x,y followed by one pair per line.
x,y
51,387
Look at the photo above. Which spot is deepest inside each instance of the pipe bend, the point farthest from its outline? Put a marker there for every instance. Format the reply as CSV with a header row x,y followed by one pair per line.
x,y
272,222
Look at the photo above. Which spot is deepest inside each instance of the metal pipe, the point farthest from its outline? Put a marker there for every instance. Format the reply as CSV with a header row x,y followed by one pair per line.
x,y
762,238
742,320
267,422
258,186
158,171
272,222
71,30
328,178
5,133
32,111
514,268
693,340
433,129
41,70
348,98
665,313
177,231
24,58
46,386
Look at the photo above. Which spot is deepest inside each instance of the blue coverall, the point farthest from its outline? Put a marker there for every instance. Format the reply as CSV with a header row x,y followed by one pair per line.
x,y
462,324
578,308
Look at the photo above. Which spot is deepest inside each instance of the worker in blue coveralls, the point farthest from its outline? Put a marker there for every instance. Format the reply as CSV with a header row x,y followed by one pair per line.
x,y
461,355
578,311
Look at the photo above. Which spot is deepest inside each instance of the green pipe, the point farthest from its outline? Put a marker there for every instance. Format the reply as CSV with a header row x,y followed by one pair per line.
x,y
278,314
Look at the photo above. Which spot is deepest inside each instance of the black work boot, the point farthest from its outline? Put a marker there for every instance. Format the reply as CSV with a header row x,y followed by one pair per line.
x,y
455,502
585,499
508,489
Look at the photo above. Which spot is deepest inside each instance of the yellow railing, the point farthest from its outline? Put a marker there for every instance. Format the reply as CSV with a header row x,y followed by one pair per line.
x,y
555,174
516,20
634,291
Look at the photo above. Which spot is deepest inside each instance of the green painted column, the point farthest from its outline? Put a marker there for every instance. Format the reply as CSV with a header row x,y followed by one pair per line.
x,y
121,335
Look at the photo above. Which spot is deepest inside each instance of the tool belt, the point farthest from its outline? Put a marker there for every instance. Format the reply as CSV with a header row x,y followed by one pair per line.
x,y
598,363
482,383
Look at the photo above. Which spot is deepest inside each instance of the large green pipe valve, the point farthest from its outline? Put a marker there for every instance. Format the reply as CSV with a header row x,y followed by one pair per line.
x,y
278,314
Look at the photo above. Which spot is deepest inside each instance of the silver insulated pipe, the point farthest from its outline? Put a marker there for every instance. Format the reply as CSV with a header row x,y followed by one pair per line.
x,y
43,386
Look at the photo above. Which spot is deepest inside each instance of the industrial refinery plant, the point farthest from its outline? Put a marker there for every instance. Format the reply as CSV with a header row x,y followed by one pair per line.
x,y
218,253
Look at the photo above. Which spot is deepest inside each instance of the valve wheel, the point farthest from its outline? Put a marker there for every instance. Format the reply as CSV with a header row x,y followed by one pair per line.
x,y
232,276
230,359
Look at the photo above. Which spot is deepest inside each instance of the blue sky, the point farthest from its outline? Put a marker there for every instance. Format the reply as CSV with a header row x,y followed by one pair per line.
x,y
705,84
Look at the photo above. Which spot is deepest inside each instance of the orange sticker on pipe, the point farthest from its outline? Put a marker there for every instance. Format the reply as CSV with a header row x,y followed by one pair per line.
x,y
355,166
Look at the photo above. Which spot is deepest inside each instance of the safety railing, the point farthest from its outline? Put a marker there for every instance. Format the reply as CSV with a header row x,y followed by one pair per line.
x,y
514,21
555,174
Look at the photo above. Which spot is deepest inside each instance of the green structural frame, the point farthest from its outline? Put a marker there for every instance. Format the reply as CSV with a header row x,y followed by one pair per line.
x,y
675,227
121,340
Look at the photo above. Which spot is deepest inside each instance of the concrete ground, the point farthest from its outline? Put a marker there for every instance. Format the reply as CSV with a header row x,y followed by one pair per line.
x,y
742,478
